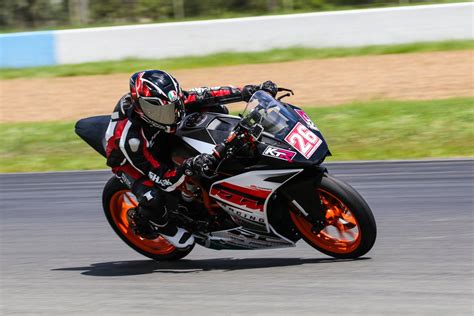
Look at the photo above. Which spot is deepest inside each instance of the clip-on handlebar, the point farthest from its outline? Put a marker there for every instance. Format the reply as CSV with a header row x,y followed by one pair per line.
x,y
289,93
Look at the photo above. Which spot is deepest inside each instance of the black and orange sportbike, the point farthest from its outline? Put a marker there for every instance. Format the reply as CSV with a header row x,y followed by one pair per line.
x,y
269,189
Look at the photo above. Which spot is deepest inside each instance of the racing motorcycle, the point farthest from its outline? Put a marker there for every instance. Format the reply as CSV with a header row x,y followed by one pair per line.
x,y
268,190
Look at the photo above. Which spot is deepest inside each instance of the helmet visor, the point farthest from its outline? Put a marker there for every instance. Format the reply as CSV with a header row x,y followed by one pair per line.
x,y
164,114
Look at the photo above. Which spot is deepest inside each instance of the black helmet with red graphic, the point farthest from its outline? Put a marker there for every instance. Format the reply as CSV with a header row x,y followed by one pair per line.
x,y
158,99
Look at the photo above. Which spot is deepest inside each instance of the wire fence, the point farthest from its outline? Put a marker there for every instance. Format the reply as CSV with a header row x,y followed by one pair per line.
x,y
21,15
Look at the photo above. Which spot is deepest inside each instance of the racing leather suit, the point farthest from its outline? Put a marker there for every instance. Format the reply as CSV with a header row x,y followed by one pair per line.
x,y
140,155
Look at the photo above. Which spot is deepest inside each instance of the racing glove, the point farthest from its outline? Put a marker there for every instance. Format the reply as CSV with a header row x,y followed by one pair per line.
x,y
203,164
267,86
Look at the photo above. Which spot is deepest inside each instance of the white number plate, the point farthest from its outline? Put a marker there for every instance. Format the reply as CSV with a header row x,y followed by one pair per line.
x,y
303,140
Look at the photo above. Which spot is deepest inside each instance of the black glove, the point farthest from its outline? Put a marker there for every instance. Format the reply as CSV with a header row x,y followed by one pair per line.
x,y
202,164
270,87
249,90
188,167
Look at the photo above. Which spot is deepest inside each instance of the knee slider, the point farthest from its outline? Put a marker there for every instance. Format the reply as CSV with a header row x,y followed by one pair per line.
x,y
151,206
150,199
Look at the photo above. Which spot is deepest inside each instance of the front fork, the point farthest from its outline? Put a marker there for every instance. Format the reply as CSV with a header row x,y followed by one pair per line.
x,y
301,194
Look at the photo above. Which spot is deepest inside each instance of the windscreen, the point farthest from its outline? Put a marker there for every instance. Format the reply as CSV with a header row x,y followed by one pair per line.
x,y
274,117
287,123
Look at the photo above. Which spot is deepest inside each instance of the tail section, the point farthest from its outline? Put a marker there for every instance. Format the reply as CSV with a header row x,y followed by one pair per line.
x,y
92,131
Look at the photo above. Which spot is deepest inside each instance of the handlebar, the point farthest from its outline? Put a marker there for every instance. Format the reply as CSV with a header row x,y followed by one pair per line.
x,y
237,139
289,93
222,150
280,89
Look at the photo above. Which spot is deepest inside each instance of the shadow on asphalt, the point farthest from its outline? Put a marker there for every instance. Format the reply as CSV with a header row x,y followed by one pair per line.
x,y
137,267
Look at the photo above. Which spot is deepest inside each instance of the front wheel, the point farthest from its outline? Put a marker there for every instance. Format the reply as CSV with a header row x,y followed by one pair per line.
x,y
350,230
117,200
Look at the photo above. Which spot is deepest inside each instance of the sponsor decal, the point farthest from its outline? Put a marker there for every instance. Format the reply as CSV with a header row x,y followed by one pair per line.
x,y
200,90
125,180
237,199
172,96
246,198
155,178
279,153
252,217
306,119
303,140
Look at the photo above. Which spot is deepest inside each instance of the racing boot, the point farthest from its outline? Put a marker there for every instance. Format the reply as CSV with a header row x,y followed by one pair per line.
x,y
177,236
147,229
140,225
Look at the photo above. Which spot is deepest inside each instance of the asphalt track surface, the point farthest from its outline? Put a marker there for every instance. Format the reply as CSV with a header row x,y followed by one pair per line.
x,y
59,257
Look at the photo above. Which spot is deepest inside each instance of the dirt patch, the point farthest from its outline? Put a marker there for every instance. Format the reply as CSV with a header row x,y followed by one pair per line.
x,y
315,82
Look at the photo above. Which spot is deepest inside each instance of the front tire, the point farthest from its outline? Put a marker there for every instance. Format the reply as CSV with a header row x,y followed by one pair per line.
x,y
351,230
117,200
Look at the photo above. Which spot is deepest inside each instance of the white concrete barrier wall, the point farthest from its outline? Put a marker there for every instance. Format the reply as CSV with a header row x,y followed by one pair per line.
x,y
325,29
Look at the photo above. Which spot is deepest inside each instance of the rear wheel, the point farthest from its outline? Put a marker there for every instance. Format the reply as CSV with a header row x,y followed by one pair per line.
x,y
117,200
350,231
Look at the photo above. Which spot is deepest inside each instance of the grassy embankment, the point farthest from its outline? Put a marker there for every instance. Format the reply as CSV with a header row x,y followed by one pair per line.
x,y
226,59
372,130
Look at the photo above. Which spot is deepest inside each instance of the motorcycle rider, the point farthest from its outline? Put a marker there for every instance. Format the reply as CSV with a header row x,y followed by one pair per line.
x,y
139,144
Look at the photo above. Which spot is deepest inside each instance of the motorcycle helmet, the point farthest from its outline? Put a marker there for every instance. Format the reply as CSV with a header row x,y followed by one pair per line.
x,y
157,99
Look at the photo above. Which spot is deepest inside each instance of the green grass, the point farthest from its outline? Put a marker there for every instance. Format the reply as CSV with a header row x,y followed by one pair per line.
x,y
226,59
398,129
43,147
367,131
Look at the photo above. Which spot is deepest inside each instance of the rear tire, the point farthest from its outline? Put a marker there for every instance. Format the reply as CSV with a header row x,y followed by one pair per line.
x,y
116,200
348,215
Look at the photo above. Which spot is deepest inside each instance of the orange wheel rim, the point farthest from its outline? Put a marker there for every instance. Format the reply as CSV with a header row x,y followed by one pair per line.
x,y
342,233
120,203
